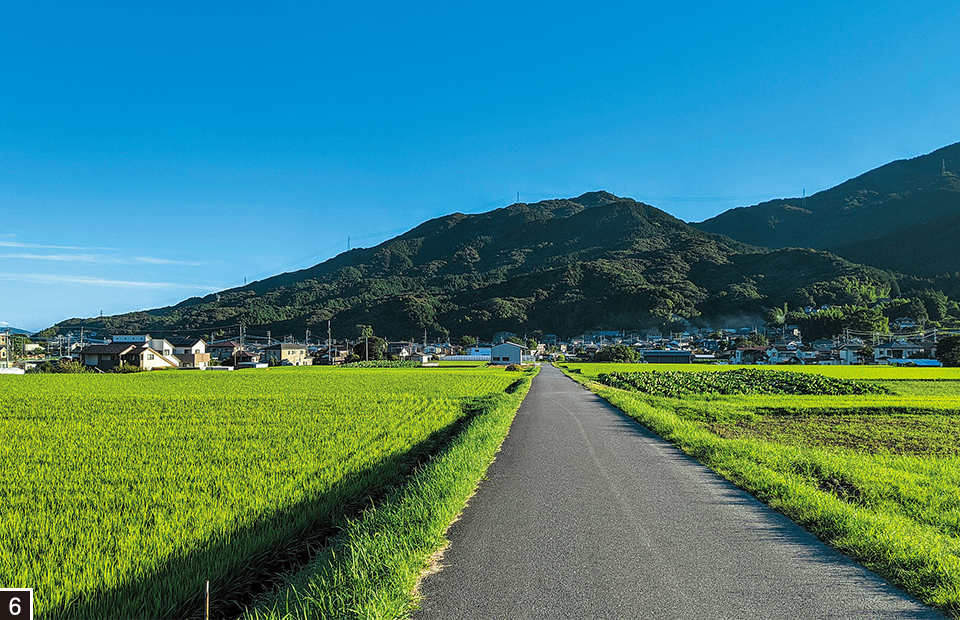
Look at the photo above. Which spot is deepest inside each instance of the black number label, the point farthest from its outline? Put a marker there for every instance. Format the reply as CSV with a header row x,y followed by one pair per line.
x,y
16,604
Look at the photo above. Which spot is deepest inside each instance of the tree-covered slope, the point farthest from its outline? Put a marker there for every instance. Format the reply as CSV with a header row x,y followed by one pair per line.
x,y
897,216
561,266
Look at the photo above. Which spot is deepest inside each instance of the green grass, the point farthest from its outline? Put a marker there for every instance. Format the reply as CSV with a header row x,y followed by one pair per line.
x,y
125,493
373,566
876,476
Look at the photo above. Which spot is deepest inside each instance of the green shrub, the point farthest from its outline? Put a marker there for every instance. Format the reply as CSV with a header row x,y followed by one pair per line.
x,y
617,353
61,367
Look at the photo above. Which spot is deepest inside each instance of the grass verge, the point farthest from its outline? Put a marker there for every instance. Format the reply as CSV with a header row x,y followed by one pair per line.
x,y
897,515
371,568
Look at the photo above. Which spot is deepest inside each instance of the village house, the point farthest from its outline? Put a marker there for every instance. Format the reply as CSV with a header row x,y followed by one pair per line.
x,y
242,357
335,354
108,356
224,349
287,354
438,349
750,355
887,352
159,345
849,353
396,347
784,354
192,352
409,352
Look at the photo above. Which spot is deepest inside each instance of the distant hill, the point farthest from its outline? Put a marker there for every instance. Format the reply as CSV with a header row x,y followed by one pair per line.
x,y
903,216
558,266
14,330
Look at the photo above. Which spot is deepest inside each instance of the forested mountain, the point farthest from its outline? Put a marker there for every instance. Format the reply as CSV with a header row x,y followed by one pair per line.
x,y
903,216
558,266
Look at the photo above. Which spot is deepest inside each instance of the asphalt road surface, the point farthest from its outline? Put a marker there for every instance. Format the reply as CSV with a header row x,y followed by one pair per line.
x,y
586,514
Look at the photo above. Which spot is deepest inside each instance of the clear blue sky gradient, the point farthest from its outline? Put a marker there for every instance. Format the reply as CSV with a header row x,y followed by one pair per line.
x,y
149,153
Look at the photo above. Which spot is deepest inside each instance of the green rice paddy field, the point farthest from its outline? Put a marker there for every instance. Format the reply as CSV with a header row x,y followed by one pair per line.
x,y
123,494
875,475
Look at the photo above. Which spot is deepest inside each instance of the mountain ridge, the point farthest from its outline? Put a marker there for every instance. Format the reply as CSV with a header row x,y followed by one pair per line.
x,y
558,266
863,216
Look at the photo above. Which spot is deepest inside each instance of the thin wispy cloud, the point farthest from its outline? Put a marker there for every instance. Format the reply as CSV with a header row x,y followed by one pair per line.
x,y
8,240
103,259
8,243
166,261
44,278
80,258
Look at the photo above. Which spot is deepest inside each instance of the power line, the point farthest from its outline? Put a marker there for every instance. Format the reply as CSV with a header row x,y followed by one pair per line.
x,y
709,198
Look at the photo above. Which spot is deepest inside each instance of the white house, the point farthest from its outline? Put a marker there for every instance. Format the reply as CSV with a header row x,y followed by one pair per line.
x,y
159,345
191,352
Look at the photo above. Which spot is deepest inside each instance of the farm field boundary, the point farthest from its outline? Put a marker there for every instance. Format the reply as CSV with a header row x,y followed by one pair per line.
x,y
371,569
125,493
891,501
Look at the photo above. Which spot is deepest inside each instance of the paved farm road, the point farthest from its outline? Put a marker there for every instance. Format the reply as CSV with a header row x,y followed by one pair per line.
x,y
585,514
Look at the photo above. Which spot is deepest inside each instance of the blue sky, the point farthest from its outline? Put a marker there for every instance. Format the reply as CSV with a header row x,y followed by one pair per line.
x,y
149,153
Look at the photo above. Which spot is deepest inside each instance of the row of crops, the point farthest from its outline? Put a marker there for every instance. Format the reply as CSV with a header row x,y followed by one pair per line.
x,y
740,381
123,495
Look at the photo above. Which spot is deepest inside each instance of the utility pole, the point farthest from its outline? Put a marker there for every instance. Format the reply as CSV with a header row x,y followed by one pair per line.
x,y
329,356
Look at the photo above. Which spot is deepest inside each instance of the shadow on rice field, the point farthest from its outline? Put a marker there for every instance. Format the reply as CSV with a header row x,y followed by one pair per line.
x,y
255,556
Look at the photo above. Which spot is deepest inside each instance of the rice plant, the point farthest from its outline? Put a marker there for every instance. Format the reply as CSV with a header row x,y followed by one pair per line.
x,y
124,494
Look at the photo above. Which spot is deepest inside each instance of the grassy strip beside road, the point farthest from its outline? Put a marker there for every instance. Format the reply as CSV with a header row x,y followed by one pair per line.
x,y
372,567
890,501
